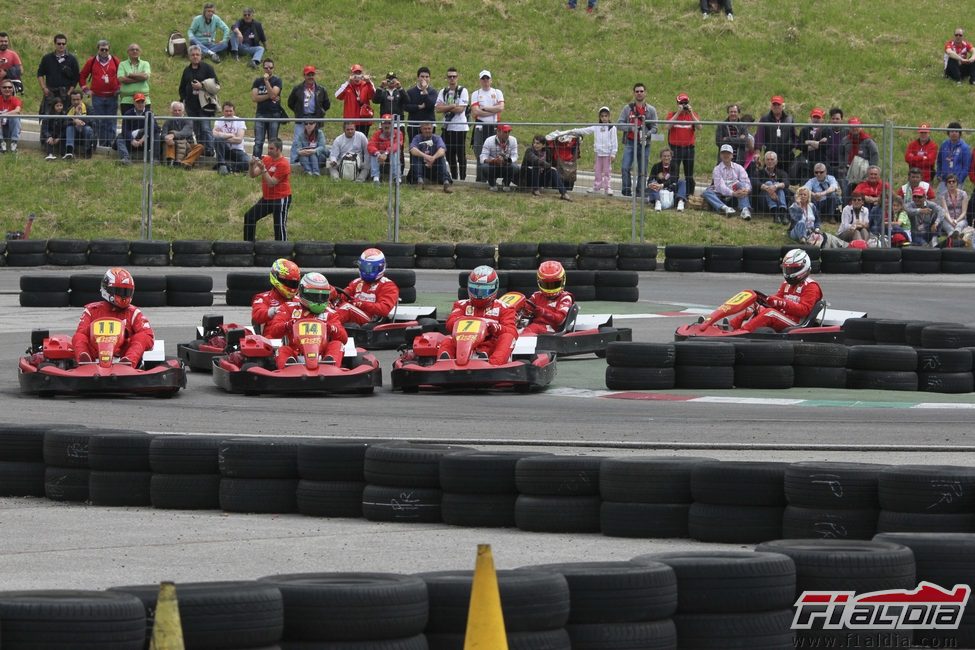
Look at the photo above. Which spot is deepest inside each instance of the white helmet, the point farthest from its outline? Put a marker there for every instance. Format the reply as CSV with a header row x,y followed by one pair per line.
x,y
796,266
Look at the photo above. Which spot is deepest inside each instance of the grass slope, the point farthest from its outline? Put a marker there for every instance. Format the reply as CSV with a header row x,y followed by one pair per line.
x,y
880,61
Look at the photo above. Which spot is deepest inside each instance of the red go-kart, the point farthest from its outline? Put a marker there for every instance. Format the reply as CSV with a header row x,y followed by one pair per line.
x,y
49,368
823,323
420,365
249,367
210,342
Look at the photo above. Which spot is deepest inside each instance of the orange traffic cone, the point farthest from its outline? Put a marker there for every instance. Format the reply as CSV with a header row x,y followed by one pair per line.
x,y
167,631
485,621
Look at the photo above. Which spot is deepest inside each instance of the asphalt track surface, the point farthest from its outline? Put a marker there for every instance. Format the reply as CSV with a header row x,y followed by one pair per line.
x,y
52,545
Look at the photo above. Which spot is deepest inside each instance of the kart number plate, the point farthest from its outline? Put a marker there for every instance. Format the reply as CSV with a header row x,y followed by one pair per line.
x,y
739,298
310,328
106,329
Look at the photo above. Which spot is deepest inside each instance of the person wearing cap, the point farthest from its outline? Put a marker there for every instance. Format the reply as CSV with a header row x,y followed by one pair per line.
x,y
204,30
639,120
133,138
275,174
954,157
729,182
133,77
825,192
922,153
605,147
421,102
309,99
191,91
247,36
266,94
356,93
776,133
350,146
428,158
681,137
960,58
498,156
926,216
855,220
487,103
914,181
312,150
453,102
735,133
812,146
384,144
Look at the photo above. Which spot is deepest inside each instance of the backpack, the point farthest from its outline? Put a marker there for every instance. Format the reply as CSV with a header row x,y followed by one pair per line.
x,y
176,45
467,109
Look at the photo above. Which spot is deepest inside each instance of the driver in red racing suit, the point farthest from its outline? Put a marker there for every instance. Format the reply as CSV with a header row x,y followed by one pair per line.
x,y
117,290
284,278
482,291
550,305
374,296
794,300
314,292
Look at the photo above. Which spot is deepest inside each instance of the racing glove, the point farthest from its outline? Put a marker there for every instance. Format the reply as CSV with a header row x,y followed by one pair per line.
x,y
776,303
494,328
271,312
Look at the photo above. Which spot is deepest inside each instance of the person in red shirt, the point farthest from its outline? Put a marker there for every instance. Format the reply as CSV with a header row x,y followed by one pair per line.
x,y
960,58
793,302
117,290
357,93
99,79
284,277
383,144
550,305
11,67
872,190
314,295
275,173
922,152
373,295
482,302
681,138
9,126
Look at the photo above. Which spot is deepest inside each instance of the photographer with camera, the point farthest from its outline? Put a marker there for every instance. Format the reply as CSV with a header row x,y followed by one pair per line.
x,y
357,93
497,156
681,138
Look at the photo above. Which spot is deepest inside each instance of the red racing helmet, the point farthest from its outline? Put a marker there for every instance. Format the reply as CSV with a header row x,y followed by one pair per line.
x,y
285,276
551,278
118,287
482,286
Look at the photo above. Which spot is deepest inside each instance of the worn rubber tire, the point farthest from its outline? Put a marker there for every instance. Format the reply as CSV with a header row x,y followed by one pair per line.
x,y
184,454
770,377
149,298
110,246
926,267
471,263
189,299
897,358
72,619
724,266
556,475
823,564
557,249
557,639
137,259
890,332
940,336
479,510
932,489
704,377
763,353
945,382
748,631
436,263
833,485
330,498
407,464
734,524
402,504
742,483
314,261
21,479
26,259
685,252
101,259
258,495
475,250
922,522
882,380
44,299
813,377
944,360
116,451
648,479
192,247
551,514
185,491
189,283
637,251
232,247
644,520
481,472
510,263
315,248
618,294
149,247
636,264
704,353
233,261
195,260
276,249
822,355
253,282
23,443
45,283
333,460
813,523
629,354
683,265
67,447
66,483
270,458
119,489
640,378
72,259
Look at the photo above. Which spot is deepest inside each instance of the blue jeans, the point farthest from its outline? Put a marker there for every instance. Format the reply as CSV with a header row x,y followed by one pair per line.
x,y
104,128
204,135
262,129
255,52
591,3
210,48
654,196
11,128
85,135
827,206
777,202
714,200
627,165
392,159
438,174
799,230
876,220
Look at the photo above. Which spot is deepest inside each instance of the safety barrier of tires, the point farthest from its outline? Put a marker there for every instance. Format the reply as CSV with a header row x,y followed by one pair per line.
x,y
79,289
943,365
617,286
703,598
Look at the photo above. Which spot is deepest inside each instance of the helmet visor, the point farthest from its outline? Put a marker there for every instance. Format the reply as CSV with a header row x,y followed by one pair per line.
x,y
550,285
291,283
121,292
371,268
482,290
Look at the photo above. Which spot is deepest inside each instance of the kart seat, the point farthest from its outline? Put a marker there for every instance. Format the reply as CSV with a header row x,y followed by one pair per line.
x,y
815,316
570,319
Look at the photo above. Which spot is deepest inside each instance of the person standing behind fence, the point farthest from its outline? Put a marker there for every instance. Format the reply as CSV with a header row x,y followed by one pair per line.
x,y
57,73
486,106
776,133
452,102
681,138
266,93
275,173
133,76
228,137
641,120
357,93
99,80
191,94
605,146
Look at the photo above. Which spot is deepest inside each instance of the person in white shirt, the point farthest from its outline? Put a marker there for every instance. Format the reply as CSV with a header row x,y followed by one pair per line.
x,y
228,141
498,156
452,103
486,105
606,145
353,147
729,180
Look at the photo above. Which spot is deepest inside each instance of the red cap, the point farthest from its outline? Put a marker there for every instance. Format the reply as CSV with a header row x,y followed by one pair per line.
x,y
387,116
918,191
924,128
817,112
777,99
309,69
854,120
683,98
138,97
355,68
505,127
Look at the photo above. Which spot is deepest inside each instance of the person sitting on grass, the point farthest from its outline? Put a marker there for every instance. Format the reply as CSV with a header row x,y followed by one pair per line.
x,y
803,217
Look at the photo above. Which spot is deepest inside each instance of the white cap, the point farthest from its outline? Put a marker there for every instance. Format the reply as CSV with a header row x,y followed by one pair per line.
x,y
484,73
604,108
728,148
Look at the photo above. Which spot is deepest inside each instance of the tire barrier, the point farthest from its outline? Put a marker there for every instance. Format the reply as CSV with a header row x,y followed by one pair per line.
x,y
736,502
558,494
120,471
479,489
944,363
831,500
684,258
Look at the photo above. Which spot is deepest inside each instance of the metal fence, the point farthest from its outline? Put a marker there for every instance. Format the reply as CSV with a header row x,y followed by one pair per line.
x,y
359,211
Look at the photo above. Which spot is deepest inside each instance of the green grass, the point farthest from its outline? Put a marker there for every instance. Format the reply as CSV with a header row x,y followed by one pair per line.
x,y
880,61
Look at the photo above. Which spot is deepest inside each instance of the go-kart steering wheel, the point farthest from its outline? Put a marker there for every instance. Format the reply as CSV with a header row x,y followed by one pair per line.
x,y
761,298
344,293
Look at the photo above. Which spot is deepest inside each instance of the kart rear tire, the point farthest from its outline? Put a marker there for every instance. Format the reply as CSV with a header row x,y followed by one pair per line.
x,y
734,524
945,382
816,523
330,498
259,495
556,475
407,295
740,483
189,298
266,458
185,491
119,489
623,378
402,504
552,514
44,299
644,520
479,510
